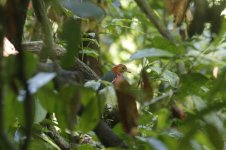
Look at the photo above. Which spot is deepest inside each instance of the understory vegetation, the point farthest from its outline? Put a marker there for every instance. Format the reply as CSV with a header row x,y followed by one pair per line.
x,y
54,54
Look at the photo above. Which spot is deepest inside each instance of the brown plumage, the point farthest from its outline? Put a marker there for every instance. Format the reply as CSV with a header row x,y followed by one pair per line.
x,y
126,101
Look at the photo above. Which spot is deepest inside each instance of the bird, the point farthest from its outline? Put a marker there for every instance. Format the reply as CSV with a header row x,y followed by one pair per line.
x,y
128,113
115,72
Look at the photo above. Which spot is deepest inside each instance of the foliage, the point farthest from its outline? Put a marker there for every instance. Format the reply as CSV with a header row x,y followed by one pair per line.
x,y
186,77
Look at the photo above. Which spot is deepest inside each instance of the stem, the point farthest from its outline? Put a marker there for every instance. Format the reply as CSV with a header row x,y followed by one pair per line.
x,y
146,8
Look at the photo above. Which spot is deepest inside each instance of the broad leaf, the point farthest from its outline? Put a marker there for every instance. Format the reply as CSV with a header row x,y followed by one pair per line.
x,y
154,143
40,112
193,83
167,75
39,80
163,43
84,9
71,36
150,52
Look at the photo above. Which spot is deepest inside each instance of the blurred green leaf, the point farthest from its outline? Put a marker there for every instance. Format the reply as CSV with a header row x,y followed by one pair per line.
x,y
40,112
163,43
72,37
88,122
163,119
150,52
48,97
86,147
203,140
66,106
154,143
13,109
90,52
84,9
31,63
192,84
215,137
167,75
37,144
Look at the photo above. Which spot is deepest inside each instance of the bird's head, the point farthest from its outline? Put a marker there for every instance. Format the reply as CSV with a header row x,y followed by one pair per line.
x,y
120,69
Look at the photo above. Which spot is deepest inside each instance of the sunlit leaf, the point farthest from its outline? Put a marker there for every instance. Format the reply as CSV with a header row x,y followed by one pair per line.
x,y
40,112
39,80
91,53
203,139
154,143
151,52
92,84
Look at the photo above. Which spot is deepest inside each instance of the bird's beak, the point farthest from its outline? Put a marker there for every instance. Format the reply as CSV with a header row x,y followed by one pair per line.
x,y
128,71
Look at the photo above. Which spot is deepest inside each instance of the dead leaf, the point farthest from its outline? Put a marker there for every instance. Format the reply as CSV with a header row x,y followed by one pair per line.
x,y
178,8
169,5
146,86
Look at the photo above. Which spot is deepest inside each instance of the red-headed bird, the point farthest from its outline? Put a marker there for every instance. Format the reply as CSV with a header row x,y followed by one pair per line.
x,y
128,113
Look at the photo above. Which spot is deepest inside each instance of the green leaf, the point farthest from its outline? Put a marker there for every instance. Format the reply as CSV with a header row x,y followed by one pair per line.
x,y
203,139
193,83
37,144
31,63
163,43
13,109
87,147
40,112
154,143
72,37
163,121
90,115
48,97
90,52
68,101
84,9
215,137
150,52
167,75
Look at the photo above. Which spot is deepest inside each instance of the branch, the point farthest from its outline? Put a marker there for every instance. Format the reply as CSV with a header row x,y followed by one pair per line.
x,y
41,15
146,8
59,140
107,136
59,51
